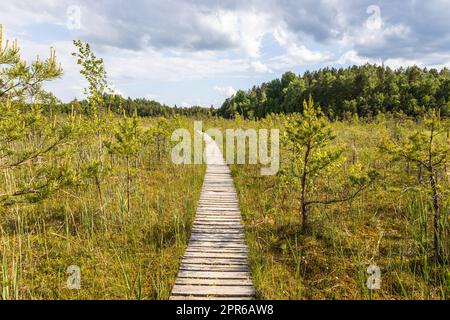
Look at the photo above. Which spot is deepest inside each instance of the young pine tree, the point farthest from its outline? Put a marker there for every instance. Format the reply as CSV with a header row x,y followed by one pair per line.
x,y
428,148
34,147
126,144
309,137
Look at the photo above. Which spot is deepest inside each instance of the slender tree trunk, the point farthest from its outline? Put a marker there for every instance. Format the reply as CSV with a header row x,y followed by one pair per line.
x,y
437,234
419,174
437,239
158,148
99,139
354,153
100,194
304,180
447,169
128,186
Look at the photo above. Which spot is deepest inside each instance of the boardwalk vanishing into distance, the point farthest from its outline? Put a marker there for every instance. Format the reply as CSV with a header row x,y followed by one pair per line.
x,y
215,264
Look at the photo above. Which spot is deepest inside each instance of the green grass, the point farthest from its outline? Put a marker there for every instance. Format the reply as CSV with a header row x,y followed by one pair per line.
x,y
122,255
135,254
385,226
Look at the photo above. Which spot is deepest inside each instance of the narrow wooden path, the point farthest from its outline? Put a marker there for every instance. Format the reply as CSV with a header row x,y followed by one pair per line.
x,y
215,264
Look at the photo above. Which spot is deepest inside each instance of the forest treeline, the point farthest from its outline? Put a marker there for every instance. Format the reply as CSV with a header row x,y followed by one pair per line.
x,y
363,90
143,107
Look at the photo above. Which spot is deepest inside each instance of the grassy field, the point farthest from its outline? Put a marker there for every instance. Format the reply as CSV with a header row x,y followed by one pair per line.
x,y
389,225
131,249
122,254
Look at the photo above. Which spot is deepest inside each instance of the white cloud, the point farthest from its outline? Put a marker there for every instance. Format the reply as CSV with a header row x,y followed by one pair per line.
x,y
227,91
353,58
401,62
296,54
151,96
260,67
374,32
156,65
244,28
115,90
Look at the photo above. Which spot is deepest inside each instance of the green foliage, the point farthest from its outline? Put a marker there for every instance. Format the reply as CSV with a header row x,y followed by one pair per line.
x,y
94,71
309,138
364,90
143,107
19,80
127,137
33,147
429,149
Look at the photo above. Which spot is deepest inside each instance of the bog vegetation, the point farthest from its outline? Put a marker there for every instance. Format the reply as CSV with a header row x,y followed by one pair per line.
x,y
364,180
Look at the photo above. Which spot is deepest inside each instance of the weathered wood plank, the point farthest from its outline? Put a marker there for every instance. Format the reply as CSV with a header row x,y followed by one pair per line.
x,y
237,226
212,252
207,231
218,243
201,254
209,298
214,282
229,291
220,268
208,261
214,274
216,250
219,237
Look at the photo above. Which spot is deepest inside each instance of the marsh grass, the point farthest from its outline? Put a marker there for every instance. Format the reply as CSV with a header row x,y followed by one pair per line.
x,y
386,226
122,254
134,253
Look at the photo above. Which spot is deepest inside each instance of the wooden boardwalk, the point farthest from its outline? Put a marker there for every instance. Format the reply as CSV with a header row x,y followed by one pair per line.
x,y
215,264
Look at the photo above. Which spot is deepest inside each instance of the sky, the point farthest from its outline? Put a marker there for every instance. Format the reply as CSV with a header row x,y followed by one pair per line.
x,y
200,52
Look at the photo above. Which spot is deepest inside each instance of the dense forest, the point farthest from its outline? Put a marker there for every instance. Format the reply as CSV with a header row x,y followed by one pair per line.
x,y
363,90
142,106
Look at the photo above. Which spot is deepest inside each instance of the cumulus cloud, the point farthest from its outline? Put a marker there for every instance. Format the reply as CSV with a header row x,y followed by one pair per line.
x,y
353,58
296,54
260,67
227,91
116,91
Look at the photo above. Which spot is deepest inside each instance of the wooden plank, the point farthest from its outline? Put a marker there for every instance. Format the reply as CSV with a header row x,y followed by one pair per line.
x,y
218,268
216,250
213,261
217,246
222,216
217,215
242,255
206,231
218,237
228,291
219,224
209,298
237,226
217,243
214,282
214,274
219,220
